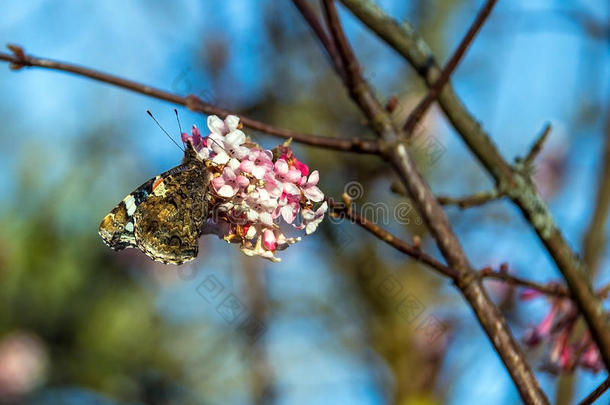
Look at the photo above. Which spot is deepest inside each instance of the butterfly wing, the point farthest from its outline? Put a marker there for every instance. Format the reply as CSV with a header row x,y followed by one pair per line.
x,y
163,217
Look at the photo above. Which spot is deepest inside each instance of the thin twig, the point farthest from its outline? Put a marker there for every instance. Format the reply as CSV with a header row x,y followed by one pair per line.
x,y
550,289
418,112
469,201
537,146
473,200
598,392
19,60
357,86
329,45
347,211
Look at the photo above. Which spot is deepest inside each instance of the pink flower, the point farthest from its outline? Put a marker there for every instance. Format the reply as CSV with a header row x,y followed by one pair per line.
x,y
302,167
274,187
260,206
229,183
258,163
198,142
312,219
23,366
228,147
287,176
561,352
269,241
288,207
220,127
543,330
226,140
256,189
591,358
310,189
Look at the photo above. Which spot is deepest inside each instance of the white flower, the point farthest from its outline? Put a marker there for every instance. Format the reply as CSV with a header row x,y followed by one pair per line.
x,y
312,219
226,140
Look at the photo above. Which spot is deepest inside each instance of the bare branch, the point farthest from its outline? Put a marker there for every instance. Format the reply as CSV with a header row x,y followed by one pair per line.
x,y
357,86
329,45
406,41
537,146
420,109
472,200
550,289
19,60
598,392
470,285
342,210
469,201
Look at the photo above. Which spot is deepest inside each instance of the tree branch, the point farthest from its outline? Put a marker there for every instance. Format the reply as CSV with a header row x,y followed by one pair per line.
x,y
470,201
342,210
537,146
469,284
347,210
19,60
329,45
598,392
357,86
519,187
550,289
420,109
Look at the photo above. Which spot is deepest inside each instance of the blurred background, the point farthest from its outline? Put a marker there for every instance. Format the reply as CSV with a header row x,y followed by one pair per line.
x,y
343,318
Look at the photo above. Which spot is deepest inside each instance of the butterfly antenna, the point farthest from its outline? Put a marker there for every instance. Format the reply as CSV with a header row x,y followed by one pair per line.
x,y
163,129
178,119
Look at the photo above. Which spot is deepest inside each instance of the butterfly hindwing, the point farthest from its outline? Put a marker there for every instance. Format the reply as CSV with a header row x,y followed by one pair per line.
x,y
164,216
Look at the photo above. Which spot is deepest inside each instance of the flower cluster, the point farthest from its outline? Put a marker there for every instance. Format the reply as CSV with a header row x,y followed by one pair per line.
x,y
558,328
254,190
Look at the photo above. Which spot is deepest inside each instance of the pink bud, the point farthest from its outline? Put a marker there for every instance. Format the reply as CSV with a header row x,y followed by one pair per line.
x,y
529,294
269,241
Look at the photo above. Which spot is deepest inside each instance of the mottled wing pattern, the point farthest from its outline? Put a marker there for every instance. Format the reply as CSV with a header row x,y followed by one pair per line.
x,y
164,216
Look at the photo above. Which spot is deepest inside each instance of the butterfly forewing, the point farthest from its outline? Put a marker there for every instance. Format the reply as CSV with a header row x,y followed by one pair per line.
x,y
164,216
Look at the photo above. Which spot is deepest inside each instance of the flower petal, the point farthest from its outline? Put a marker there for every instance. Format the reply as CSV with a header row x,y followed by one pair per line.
x,y
314,177
221,158
313,193
287,213
231,122
292,189
235,138
227,191
216,125
247,166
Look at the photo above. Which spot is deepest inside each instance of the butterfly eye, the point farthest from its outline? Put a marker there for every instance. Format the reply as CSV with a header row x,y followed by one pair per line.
x,y
120,227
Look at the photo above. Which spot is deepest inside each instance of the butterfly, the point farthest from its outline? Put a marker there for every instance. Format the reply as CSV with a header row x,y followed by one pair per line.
x,y
164,216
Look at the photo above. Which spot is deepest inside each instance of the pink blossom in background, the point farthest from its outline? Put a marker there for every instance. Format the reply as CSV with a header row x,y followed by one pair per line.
x,y
557,328
23,362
